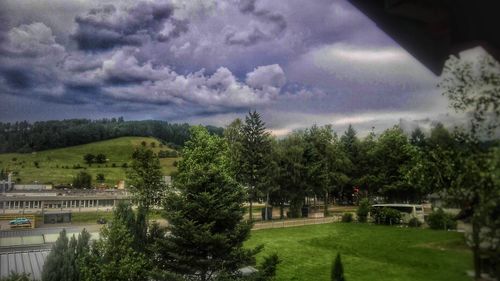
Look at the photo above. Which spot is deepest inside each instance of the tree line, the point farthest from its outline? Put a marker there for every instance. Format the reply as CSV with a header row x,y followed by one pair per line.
x,y
25,137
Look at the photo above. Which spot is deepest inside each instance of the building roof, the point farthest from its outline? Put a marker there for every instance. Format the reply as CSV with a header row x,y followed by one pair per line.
x,y
30,262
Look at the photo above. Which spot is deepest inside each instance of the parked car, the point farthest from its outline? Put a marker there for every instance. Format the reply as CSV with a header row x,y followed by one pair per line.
x,y
19,221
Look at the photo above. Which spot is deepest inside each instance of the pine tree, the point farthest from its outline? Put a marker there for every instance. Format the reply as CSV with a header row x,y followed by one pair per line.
x,y
256,150
337,269
205,214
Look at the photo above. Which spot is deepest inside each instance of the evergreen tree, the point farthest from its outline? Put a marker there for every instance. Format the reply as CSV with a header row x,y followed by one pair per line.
x,y
206,230
255,153
146,178
337,269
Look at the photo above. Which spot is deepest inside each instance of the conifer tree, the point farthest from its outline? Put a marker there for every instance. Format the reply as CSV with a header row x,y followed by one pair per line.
x,y
255,154
206,231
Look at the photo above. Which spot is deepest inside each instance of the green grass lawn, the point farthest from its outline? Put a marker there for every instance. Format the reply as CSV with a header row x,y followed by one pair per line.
x,y
52,162
368,252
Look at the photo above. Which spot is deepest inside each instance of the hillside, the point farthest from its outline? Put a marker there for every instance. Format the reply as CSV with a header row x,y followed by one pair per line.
x,y
55,166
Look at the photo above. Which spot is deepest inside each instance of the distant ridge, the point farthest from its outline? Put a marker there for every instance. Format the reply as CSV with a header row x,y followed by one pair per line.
x,y
26,137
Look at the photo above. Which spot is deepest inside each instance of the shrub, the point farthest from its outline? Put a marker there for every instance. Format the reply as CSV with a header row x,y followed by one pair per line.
x,y
441,220
113,165
125,165
82,180
386,216
363,210
414,222
347,217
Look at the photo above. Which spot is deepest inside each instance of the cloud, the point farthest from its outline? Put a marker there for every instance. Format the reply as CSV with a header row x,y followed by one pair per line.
x,y
29,56
298,63
108,26
268,26
263,77
214,93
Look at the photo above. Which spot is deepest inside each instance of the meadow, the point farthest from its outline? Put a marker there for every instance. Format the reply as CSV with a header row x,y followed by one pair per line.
x,y
368,252
56,166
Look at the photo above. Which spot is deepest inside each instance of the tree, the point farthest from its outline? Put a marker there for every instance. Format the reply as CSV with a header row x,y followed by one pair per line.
x,y
205,211
100,158
337,269
82,180
255,152
146,178
418,138
392,157
473,86
289,154
60,264
100,178
89,158
325,161
114,258
363,210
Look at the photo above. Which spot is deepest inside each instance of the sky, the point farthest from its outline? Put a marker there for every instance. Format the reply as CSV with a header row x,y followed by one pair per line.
x,y
296,62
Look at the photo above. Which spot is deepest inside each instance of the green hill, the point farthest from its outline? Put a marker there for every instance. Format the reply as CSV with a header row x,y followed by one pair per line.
x,y
56,166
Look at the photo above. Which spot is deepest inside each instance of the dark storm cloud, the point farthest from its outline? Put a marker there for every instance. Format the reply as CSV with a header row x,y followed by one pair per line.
x,y
108,26
274,25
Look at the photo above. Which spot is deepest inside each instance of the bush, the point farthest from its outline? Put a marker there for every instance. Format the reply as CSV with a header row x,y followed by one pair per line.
x,y
414,222
347,217
441,220
363,210
82,180
386,216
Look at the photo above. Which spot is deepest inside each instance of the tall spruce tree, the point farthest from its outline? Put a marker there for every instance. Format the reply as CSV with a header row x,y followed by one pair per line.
x,y
255,154
205,211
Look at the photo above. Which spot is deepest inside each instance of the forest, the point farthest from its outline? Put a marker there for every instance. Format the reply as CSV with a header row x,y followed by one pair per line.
x,y
26,137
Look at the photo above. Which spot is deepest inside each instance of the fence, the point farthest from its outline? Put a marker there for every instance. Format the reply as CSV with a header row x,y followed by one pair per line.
x,y
295,222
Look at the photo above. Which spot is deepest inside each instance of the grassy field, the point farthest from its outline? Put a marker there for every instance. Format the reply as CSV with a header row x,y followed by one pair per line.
x,y
52,163
368,252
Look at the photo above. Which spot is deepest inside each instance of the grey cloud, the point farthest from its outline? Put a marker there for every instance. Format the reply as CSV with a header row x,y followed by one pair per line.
x,y
273,25
109,26
266,76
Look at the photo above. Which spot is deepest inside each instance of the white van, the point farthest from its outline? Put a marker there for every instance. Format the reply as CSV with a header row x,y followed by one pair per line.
x,y
407,211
